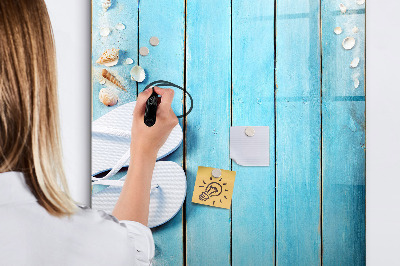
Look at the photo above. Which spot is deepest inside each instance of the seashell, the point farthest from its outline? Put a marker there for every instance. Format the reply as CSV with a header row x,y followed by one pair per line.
x,y
108,96
342,8
355,30
348,43
109,57
143,51
102,81
138,74
106,4
120,26
105,32
337,30
129,61
356,83
107,75
360,2
355,62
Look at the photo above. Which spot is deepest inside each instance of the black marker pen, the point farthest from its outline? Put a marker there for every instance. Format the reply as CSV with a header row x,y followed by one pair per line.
x,y
151,109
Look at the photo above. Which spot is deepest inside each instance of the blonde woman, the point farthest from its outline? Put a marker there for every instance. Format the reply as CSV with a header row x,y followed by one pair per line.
x,y
39,222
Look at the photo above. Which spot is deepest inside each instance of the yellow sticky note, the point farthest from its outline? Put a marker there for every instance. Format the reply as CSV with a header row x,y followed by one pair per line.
x,y
214,191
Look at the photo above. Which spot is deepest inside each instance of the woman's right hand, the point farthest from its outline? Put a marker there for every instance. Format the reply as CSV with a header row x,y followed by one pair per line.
x,y
146,141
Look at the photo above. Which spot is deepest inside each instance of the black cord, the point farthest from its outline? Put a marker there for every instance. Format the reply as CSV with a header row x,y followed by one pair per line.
x,y
164,83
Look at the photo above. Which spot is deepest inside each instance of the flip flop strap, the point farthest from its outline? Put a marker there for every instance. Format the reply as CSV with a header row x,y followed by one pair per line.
x,y
120,183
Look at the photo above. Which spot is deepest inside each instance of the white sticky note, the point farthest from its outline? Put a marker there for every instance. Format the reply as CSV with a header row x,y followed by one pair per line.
x,y
250,149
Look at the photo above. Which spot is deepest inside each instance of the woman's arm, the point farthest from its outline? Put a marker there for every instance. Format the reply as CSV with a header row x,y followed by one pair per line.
x,y
134,200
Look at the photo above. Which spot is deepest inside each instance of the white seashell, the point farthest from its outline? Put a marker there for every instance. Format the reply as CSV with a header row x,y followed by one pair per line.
x,y
105,32
360,2
138,74
342,8
356,83
108,96
337,30
109,57
106,4
348,43
355,30
102,81
355,62
120,26
129,61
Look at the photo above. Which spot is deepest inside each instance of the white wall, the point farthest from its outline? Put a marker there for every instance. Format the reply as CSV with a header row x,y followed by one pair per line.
x,y
71,23
383,132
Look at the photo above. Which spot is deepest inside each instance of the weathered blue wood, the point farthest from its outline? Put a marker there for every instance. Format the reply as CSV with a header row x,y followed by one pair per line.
x,y
121,11
253,202
208,79
344,138
298,133
166,20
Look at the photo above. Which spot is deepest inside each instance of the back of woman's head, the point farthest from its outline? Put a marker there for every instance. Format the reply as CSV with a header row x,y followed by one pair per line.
x,y
29,119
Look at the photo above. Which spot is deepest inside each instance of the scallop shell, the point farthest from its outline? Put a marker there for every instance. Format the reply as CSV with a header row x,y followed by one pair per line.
x,y
355,62
342,8
129,61
109,57
138,74
120,26
337,30
360,2
348,43
356,83
108,96
106,4
355,30
105,32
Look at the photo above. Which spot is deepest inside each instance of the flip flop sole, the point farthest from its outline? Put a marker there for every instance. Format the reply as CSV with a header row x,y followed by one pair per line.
x,y
165,201
111,139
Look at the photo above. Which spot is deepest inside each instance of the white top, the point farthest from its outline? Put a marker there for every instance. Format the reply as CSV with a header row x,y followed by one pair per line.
x,y
31,236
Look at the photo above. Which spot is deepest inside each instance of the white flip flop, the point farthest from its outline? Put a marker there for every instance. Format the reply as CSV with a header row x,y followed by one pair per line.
x,y
168,192
111,137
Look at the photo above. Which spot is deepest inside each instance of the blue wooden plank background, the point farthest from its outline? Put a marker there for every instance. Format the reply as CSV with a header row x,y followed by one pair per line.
x,y
253,202
298,133
208,80
343,158
273,63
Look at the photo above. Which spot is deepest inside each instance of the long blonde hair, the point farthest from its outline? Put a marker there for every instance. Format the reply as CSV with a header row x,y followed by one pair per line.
x,y
29,118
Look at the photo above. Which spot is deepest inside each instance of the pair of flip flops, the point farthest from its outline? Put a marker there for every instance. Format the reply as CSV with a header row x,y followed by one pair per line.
x,y
111,138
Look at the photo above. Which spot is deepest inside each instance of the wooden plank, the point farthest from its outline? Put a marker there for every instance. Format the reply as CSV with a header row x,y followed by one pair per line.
x,y
165,20
253,202
344,138
121,11
124,12
298,133
208,79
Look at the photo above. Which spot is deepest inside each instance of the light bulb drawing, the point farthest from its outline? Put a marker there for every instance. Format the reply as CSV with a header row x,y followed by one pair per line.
x,y
213,189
